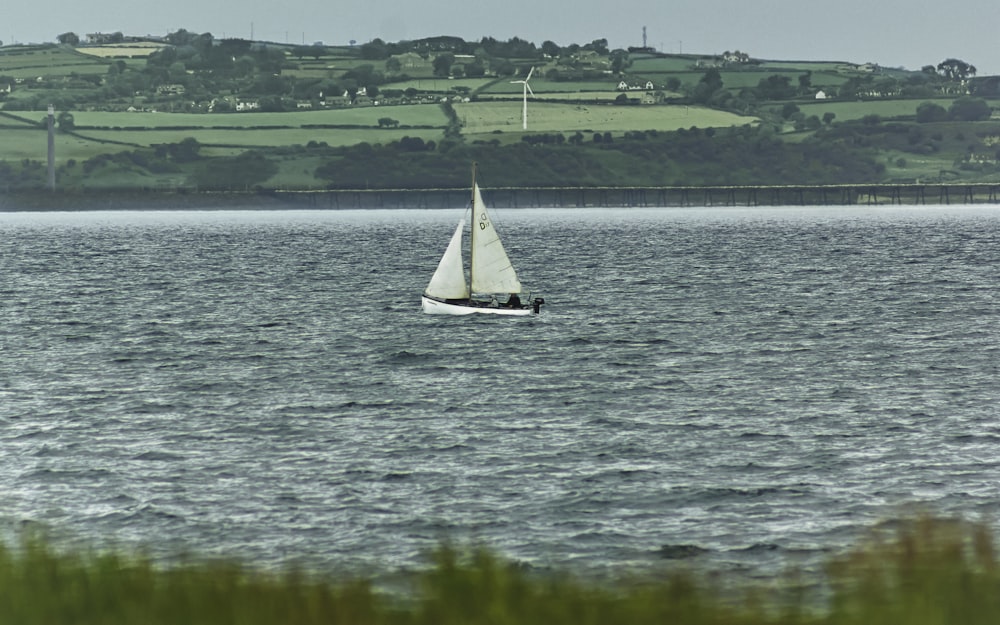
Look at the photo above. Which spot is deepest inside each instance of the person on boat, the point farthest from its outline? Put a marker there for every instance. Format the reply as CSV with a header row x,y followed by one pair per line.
x,y
514,301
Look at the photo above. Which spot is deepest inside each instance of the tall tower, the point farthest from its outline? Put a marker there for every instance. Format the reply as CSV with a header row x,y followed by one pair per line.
x,y
52,148
643,36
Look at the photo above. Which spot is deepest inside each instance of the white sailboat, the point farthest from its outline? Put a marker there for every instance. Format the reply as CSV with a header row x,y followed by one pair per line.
x,y
492,287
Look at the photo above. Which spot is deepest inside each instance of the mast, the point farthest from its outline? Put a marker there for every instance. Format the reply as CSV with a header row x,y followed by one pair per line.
x,y
472,228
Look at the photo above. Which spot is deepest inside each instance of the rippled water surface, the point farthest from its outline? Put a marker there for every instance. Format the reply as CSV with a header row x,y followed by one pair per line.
x,y
739,386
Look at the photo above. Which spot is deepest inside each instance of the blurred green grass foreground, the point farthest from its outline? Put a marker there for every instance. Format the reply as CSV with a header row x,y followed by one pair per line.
x,y
925,571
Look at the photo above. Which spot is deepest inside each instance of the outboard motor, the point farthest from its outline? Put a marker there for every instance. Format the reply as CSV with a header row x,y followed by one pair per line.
x,y
537,304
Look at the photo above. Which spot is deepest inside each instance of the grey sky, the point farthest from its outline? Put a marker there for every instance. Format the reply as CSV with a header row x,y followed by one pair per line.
x,y
890,32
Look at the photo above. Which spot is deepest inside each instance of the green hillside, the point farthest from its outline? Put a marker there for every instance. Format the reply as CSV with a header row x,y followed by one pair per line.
x,y
161,112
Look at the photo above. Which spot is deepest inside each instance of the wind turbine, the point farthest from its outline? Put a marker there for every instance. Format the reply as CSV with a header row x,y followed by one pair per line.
x,y
527,90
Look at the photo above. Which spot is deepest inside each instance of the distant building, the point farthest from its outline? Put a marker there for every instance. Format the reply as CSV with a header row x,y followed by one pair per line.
x,y
735,57
105,38
174,89
410,60
821,95
625,86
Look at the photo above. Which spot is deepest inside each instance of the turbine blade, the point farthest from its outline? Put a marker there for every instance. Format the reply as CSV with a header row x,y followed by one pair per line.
x,y
528,77
528,87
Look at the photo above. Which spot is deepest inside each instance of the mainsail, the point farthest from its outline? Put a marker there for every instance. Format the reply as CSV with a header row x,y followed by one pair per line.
x,y
490,269
448,281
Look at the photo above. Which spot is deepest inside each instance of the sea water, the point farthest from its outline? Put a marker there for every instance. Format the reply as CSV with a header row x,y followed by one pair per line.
x,y
739,387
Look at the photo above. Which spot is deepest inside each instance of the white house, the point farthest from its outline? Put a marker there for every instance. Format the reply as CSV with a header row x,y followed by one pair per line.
x,y
624,86
735,57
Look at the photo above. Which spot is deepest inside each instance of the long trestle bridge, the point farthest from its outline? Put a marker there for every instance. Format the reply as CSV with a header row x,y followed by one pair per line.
x,y
882,194
568,197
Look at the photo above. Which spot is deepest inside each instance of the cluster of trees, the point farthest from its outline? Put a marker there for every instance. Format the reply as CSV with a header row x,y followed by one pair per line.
x,y
513,48
26,174
747,155
966,109
245,171
952,69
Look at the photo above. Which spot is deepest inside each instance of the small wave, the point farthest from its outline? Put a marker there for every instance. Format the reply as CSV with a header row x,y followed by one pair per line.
x,y
43,451
642,342
365,405
404,356
152,511
743,492
668,385
756,435
301,410
56,475
757,548
272,324
160,456
152,408
121,499
680,552
965,438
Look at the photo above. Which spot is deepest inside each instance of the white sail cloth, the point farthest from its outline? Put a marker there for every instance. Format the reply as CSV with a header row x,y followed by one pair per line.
x,y
490,267
448,281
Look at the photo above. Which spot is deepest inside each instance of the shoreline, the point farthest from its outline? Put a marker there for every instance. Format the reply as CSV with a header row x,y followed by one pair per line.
x,y
871,194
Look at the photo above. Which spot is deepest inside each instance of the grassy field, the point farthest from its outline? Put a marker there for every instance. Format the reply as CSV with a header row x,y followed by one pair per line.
x,y
101,132
544,88
98,132
661,69
30,62
140,49
807,66
441,85
32,144
606,97
265,138
326,67
925,572
484,118
885,109
745,79
17,57
410,115
661,64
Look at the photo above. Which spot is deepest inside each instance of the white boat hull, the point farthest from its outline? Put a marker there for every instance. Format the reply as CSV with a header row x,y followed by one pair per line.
x,y
436,307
